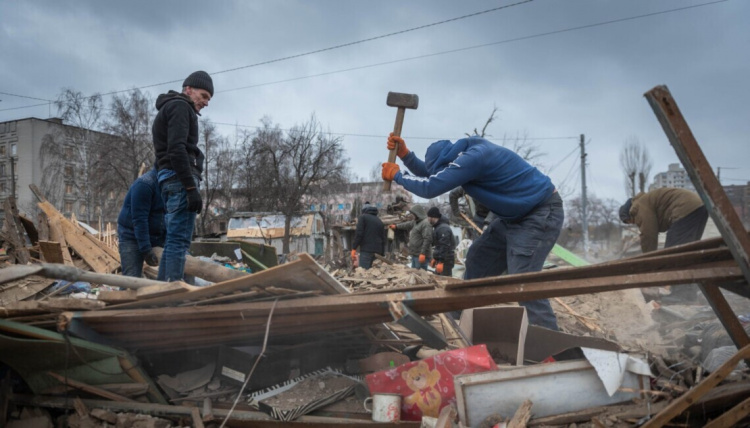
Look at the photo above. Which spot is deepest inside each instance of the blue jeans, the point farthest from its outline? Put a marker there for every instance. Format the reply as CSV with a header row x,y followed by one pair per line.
x,y
365,259
180,223
131,258
518,247
416,265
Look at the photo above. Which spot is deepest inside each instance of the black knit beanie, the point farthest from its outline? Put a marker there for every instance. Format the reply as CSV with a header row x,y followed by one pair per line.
x,y
433,212
625,210
200,80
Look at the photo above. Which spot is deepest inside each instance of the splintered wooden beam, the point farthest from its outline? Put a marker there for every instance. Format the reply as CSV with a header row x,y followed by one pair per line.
x,y
701,174
683,402
15,232
186,327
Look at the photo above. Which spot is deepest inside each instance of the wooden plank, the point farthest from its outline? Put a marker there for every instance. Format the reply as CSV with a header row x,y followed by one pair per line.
x,y
56,234
620,267
195,413
91,389
731,417
683,402
15,232
701,174
726,315
117,296
295,275
51,252
156,328
164,289
92,254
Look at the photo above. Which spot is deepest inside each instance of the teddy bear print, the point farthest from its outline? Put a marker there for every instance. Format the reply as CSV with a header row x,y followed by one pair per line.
x,y
423,382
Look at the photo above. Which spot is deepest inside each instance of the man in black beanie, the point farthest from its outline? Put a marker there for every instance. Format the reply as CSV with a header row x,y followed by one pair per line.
x,y
443,243
180,164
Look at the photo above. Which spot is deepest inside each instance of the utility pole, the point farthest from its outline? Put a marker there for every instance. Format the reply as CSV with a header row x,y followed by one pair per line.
x,y
584,214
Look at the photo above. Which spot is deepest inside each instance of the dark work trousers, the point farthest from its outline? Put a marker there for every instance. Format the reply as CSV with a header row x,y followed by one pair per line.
x,y
365,259
687,229
520,246
447,270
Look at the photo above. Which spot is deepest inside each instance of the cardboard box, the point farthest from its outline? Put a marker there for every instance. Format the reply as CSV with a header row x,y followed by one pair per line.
x,y
502,329
509,337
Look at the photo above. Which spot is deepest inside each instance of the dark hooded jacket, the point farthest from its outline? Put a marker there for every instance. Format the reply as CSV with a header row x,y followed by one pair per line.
x,y
142,215
420,235
175,134
443,243
370,235
494,176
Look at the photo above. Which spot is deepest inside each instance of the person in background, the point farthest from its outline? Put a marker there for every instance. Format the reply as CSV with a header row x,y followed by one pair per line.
x,y
679,212
140,225
482,215
369,237
528,208
180,165
420,237
443,243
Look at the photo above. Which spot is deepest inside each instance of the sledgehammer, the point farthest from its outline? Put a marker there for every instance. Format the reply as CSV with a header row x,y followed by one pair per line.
x,y
403,102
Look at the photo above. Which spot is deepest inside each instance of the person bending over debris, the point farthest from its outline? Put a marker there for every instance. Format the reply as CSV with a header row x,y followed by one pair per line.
x,y
140,225
180,165
444,246
529,210
370,236
420,237
679,212
482,215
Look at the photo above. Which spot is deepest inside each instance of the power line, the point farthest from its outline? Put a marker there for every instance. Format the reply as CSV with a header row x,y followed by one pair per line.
x,y
512,40
343,45
25,96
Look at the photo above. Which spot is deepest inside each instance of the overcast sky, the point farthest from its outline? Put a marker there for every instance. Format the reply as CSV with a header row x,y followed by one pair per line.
x,y
554,69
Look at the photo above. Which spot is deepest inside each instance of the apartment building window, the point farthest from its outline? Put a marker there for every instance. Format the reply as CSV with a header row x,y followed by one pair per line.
x,y
68,189
68,207
12,149
2,169
2,150
69,172
3,188
69,152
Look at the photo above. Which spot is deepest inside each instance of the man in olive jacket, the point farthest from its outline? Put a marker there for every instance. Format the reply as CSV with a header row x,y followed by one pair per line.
x,y
679,212
420,237
369,237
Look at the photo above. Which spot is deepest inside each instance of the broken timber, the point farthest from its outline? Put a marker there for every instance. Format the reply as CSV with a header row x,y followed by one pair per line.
x,y
714,198
245,322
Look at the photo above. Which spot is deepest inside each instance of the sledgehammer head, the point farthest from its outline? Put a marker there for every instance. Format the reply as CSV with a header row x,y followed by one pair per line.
x,y
397,99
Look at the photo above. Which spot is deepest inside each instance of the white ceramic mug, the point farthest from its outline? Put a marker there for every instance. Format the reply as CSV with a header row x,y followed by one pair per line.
x,y
385,407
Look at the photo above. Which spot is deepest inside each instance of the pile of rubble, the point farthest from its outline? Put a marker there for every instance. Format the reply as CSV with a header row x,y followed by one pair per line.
x,y
301,344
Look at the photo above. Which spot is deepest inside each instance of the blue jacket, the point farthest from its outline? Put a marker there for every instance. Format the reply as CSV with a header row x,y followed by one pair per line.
x,y
142,214
493,175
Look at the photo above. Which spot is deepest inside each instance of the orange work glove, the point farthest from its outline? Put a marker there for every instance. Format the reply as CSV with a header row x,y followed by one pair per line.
x,y
390,170
354,254
439,268
392,226
422,258
396,142
433,262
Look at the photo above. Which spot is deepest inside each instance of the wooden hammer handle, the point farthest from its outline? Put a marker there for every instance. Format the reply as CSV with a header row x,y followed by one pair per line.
x,y
392,153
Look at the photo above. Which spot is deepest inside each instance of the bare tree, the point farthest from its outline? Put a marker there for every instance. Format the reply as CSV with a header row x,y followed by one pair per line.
x,y
130,148
305,158
219,173
72,152
519,143
636,165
